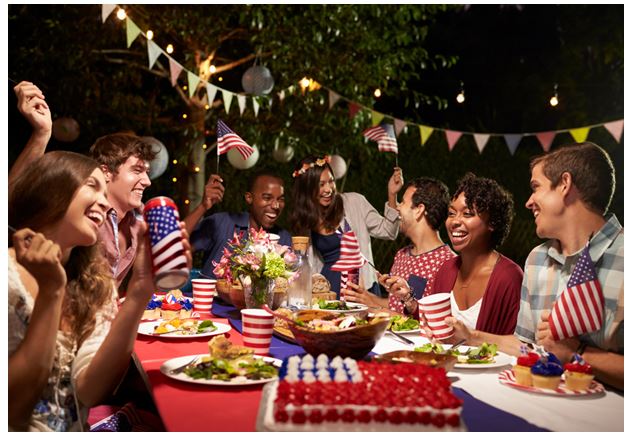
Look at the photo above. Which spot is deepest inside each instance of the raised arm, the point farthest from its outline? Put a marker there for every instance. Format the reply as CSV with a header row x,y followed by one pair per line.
x,y
33,107
213,194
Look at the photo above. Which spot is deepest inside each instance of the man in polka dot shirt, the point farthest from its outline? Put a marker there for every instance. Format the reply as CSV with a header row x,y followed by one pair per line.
x,y
422,212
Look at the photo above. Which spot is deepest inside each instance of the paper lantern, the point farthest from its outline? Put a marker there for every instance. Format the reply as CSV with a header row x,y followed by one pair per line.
x,y
281,153
257,80
159,164
339,166
66,129
235,158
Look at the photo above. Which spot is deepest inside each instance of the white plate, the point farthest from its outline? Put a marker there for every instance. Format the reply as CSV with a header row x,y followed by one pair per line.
x,y
237,381
355,307
501,359
508,378
147,328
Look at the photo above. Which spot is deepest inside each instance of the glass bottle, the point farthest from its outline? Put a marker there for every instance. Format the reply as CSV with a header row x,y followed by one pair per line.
x,y
299,292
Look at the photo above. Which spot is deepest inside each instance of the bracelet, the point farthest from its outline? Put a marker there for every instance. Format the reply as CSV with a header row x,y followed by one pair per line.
x,y
582,347
408,298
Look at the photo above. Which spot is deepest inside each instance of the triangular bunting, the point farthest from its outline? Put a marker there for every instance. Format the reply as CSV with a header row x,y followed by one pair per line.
x,y
615,128
580,134
452,137
174,69
376,117
227,96
153,52
425,133
241,100
399,126
106,10
512,141
132,31
211,91
333,98
546,139
281,95
481,141
193,80
353,109
255,105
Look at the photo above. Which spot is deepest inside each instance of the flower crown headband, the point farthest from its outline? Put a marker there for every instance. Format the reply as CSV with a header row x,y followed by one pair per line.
x,y
306,166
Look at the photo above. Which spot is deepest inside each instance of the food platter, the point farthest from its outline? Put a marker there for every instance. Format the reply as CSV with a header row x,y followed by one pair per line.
x,y
174,363
147,328
508,378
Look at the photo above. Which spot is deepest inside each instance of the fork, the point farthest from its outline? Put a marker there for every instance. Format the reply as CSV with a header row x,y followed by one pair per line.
x,y
177,370
401,338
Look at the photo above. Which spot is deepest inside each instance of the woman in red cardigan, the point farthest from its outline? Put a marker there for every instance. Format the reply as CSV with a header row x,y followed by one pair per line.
x,y
484,285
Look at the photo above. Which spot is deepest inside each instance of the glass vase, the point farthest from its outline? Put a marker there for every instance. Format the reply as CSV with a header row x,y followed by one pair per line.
x,y
257,291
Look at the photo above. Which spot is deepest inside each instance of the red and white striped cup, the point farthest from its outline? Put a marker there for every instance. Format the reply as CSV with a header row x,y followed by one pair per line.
x,y
257,329
203,292
436,307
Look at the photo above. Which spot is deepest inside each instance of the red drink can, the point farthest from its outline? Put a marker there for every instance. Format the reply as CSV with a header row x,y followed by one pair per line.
x,y
167,252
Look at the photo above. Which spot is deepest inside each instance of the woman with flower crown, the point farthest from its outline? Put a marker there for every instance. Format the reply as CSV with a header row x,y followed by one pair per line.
x,y
324,214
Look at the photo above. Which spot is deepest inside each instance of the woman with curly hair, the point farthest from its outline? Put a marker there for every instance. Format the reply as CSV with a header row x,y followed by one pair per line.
x,y
484,285
69,346
323,213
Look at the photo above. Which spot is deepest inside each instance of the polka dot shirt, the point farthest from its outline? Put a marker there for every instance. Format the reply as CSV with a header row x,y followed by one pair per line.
x,y
424,265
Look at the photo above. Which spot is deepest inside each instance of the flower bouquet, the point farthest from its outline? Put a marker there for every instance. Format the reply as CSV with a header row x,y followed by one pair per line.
x,y
256,262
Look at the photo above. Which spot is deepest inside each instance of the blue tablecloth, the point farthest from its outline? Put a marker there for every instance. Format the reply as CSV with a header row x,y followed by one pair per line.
x,y
477,415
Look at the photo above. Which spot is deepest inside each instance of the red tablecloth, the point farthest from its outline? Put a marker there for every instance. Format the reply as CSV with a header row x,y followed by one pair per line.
x,y
193,407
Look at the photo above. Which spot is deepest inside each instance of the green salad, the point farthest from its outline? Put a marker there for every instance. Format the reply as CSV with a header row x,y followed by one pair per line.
x,y
206,326
483,354
226,370
403,323
335,305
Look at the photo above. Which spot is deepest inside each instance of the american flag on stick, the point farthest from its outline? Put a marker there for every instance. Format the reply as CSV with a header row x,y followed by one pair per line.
x,y
580,307
384,135
227,140
167,250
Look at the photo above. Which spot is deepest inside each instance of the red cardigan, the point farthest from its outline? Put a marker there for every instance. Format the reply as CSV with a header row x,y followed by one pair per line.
x,y
501,300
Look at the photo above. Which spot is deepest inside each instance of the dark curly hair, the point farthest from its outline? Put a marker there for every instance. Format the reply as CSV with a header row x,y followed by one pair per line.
x,y
486,195
434,195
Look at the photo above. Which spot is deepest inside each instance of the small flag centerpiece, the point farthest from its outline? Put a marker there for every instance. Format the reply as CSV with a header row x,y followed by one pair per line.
x,y
580,307
384,135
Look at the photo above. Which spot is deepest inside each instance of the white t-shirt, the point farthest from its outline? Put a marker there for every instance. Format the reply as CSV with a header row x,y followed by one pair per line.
x,y
468,316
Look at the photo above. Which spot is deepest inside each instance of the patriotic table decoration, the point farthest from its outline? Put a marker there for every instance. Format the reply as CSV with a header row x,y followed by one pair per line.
x,y
167,251
580,307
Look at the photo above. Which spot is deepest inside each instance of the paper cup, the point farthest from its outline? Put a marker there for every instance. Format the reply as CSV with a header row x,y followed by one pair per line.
x,y
435,308
274,238
257,329
203,292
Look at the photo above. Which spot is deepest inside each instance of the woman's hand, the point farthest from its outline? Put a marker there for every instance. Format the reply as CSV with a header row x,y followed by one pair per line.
x,y
398,287
460,330
32,105
41,257
357,294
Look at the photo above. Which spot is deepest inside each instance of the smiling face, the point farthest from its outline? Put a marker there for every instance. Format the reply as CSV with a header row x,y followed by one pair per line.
x,y
266,201
125,189
407,213
467,228
546,203
86,212
326,188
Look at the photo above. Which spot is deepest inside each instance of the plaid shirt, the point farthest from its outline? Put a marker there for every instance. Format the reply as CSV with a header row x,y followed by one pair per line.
x,y
546,274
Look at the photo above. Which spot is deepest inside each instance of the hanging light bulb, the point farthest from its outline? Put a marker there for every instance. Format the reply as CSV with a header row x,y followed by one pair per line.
x,y
204,146
150,34
460,98
197,169
184,116
212,69
186,201
174,179
554,100
304,83
377,93
175,162
120,14
169,48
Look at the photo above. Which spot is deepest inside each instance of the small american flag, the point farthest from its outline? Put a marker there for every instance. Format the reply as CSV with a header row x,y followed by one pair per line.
x,y
227,140
384,135
350,256
579,309
167,250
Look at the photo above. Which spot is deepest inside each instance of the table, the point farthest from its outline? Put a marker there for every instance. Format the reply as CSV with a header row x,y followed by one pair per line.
x,y
488,405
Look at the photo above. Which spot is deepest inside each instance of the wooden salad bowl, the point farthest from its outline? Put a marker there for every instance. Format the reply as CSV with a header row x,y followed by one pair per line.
x,y
355,342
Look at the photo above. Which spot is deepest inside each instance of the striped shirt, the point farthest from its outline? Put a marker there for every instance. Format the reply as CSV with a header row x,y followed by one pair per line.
x,y
547,272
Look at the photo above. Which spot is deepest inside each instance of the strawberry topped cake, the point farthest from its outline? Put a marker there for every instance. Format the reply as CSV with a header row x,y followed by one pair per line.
x,y
348,395
170,306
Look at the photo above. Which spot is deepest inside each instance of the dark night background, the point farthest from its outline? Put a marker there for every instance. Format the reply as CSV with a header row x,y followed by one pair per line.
x,y
508,57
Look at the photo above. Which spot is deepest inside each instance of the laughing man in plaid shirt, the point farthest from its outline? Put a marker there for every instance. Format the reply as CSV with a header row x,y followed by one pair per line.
x,y
571,190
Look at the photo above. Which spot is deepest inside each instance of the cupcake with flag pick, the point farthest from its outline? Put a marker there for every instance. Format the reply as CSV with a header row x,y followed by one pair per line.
x,y
546,373
578,374
522,369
